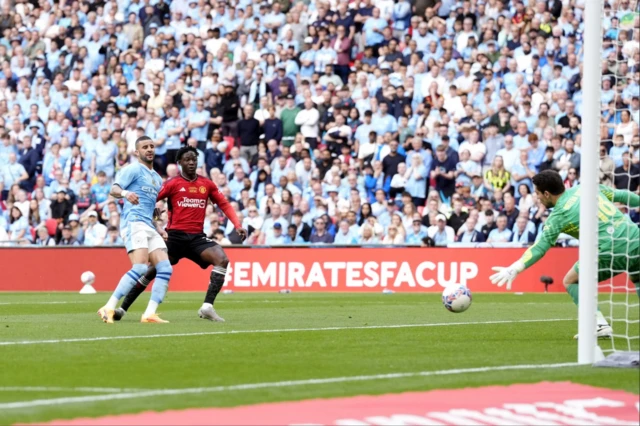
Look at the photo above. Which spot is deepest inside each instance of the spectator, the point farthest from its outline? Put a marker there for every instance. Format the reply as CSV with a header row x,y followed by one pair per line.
x,y
95,233
627,176
500,234
275,236
19,229
12,173
345,235
67,239
521,234
320,234
441,234
249,131
367,235
43,239
468,233
497,178
444,173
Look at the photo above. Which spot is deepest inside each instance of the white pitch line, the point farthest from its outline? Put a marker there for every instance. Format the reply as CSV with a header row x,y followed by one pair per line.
x,y
282,330
63,389
268,385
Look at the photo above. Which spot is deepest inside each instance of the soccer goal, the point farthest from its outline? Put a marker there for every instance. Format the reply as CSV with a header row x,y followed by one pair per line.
x,y
607,53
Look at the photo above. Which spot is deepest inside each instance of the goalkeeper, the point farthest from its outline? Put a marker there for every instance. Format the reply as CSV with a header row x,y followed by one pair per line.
x,y
618,237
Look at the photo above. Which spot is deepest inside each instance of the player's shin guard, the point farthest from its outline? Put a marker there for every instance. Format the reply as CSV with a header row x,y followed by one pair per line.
x,y
126,283
139,288
216,281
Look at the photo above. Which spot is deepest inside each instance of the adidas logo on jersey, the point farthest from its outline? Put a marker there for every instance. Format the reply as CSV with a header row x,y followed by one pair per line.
x,y
183,190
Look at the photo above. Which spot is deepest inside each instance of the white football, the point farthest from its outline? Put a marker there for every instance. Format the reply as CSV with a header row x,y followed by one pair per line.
x,y
87,278
456,298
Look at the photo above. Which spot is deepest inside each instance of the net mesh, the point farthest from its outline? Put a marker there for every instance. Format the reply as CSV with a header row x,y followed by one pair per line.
x,y
618,299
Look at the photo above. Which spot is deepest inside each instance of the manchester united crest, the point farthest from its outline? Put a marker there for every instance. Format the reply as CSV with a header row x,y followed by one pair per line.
x,y
202,190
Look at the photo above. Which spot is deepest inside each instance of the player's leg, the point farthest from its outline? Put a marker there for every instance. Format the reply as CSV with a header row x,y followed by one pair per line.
x,y
159,258
138,259
136,291
213,255
570,282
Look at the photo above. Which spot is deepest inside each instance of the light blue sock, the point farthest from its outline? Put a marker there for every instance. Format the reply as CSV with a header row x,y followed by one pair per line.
x,y
161,285
126,283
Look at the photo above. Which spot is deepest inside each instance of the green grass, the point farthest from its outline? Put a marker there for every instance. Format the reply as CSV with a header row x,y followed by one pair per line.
x,y
230,359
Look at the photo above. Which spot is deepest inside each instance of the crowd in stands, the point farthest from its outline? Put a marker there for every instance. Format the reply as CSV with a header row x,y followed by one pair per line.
x,y
340,121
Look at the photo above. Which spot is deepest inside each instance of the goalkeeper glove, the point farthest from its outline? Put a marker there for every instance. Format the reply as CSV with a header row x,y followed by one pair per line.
x,y
506,275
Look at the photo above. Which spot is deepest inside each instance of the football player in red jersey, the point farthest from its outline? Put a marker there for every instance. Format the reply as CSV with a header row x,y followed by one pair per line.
x,y
188,195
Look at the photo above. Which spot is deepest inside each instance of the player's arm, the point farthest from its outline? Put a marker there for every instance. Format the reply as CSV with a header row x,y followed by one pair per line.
x,y
217,197
625,197
123,181
552,228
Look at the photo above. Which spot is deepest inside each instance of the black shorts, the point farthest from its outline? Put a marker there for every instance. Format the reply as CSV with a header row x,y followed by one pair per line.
x,y
182,245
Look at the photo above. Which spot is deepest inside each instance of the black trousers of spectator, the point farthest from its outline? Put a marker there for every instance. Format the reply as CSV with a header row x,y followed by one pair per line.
x,y
393,192
418,201
171,156
313,143
230,129
342,71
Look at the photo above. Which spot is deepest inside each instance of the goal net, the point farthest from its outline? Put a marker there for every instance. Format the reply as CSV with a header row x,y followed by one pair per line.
x,y
619,147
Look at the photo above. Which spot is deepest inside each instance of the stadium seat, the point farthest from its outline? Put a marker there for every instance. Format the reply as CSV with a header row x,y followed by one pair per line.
x,y
52,226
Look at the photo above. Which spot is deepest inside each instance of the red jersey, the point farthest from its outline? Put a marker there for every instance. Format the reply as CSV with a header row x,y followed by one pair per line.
x,y
188,203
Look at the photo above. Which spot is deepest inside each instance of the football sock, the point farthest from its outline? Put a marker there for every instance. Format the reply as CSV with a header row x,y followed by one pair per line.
x,y
573,290
216,282
138,289
151,308
160,286
126,283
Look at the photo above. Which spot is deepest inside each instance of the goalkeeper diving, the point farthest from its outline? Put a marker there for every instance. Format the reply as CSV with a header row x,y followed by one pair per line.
x,y
618,237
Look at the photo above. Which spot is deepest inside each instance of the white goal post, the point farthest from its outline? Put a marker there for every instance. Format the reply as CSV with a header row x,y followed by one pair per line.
x,y
588,351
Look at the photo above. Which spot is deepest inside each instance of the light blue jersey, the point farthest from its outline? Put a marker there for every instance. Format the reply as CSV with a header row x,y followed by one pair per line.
x,y
145,184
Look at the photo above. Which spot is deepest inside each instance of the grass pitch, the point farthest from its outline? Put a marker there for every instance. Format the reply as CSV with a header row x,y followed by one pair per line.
x,y
69,364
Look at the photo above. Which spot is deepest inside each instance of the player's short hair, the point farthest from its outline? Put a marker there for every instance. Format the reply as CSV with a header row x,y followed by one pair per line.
x,y
549,181
182,151
142,139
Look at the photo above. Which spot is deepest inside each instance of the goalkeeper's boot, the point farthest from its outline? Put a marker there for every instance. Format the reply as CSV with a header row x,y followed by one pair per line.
x,y
210,314
153,318
603,331
106,314
118,314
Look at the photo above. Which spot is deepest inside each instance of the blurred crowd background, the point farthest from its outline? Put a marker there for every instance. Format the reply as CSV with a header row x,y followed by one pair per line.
x,y
414,122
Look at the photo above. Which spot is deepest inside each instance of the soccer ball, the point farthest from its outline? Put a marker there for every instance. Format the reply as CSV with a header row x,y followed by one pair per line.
x,y
456,298
87,278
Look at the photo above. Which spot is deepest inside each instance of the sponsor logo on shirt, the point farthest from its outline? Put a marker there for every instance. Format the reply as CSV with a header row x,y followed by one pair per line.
x,y
182,190
192,203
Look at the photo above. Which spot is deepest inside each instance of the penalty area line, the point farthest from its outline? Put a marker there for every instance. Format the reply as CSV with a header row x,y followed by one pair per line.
x,y
282,330
270,385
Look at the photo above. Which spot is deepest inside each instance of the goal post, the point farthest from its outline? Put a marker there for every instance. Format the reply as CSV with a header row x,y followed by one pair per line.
x,y
588,351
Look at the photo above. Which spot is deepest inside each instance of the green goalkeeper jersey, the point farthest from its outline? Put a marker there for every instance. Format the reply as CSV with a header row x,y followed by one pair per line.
x,y
616,232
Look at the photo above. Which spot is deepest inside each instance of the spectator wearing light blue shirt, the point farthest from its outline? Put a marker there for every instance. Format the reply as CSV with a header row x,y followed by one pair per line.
x,y
416,178
417,232
373,27
275,237
500,234
345,235
198,124
383,122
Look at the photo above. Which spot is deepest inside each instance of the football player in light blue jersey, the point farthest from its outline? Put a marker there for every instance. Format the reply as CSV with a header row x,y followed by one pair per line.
x,y
139,185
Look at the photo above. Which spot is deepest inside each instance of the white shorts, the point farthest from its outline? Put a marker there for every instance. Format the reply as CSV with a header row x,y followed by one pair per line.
x,y
139,235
